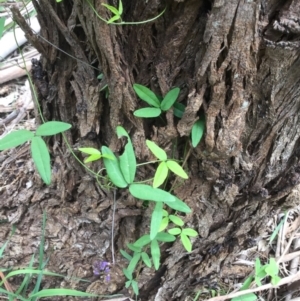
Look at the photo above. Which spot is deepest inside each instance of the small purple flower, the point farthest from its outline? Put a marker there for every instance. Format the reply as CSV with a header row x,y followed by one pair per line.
x,y
100,267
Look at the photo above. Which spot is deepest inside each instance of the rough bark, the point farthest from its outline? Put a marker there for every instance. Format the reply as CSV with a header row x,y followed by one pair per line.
x,y
235,61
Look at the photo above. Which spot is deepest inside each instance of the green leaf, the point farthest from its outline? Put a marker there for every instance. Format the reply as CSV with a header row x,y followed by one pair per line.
x,y
180,206
146,259
156,218
272,268
174,231
178,109
165,237
94,154
120,7
177,169
2,22
126,255
257,281
52,128
127,274
113,19
90,151
155,253
128,283
147,112
186,242
111,8
190,232
112,168
275,232
176,220
197,131
92,158
146,95
158,152
41,158
148,193
135,287
169,99
257,265
247,297
165,212
134,261
164,224
142,241
127,159
15,138
50,292
160,174
247,283
134,248
275,279
261,273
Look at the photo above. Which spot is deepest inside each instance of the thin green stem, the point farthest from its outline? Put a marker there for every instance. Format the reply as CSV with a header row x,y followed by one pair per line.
x,y
145,181
77,159
123,22
150,162
35,98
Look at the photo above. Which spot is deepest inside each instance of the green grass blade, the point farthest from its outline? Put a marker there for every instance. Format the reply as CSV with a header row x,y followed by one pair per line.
x,y
3,249
42,243
60,292
2,22
12,296
42,264
26,281
275,232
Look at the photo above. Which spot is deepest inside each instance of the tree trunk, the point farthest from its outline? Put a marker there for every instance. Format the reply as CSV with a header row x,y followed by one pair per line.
x,y
236,62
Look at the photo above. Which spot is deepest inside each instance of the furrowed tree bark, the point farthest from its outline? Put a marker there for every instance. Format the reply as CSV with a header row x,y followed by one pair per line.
x,y
236,62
